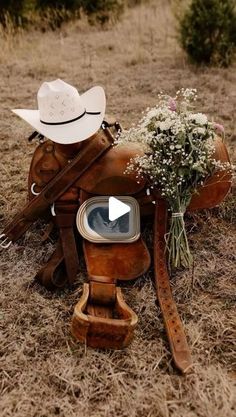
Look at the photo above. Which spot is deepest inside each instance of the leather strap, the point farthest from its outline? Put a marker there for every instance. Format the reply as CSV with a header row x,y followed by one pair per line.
x,y
65,218
174,327
59,184
102,298
53,274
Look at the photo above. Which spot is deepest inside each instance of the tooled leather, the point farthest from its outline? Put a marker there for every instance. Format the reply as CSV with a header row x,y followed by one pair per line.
x,y
58,186
174,328
45,164
103,326
100,179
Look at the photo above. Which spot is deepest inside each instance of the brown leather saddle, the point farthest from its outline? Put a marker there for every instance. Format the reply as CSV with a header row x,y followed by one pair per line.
x,y
61,178
101,318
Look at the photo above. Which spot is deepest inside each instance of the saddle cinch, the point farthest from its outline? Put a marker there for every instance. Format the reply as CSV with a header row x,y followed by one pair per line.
x,y
61,178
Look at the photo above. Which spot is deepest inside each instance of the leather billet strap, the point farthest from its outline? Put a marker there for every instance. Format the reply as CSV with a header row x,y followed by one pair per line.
x,y
65,219
53,274
174,327
57,272
72,172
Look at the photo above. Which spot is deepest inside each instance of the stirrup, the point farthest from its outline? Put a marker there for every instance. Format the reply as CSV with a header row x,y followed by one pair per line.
x,y
105,323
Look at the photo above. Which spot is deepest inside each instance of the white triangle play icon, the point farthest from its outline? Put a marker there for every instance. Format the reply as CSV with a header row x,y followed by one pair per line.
x,y
117,208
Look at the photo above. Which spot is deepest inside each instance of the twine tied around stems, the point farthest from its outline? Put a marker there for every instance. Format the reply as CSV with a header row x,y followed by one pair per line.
x,y
181,214
177,241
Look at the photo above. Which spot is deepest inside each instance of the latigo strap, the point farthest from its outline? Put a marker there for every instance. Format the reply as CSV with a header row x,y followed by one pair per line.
x,y
53,274
65,218
174,327
57,186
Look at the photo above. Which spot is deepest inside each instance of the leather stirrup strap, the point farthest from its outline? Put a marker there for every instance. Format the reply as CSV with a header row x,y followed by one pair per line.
x,y
65,218
174,327
53,274
72,172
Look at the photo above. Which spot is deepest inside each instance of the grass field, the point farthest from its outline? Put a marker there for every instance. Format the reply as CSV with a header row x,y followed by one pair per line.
x,y
44,373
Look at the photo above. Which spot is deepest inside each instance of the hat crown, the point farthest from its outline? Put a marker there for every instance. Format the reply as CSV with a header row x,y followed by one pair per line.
x,y
59,102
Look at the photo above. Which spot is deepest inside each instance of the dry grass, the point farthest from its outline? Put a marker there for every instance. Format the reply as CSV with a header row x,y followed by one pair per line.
x,y
44,372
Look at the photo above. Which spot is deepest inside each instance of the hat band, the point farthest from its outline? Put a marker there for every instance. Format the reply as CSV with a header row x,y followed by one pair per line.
x,y
70,121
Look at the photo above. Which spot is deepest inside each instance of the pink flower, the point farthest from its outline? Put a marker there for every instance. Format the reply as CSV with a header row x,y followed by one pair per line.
x,y
219,127
172,104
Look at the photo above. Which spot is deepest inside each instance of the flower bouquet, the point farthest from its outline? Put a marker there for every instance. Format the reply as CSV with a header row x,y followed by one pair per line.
x,y
178,157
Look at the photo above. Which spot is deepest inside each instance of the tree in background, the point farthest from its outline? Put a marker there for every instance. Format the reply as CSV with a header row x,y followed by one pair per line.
x,y
208,31
59,4
52,13
12,8
102,11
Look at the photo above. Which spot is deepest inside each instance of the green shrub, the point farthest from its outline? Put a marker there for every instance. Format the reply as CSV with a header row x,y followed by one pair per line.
x,y
133,3
12,9
208,31
52,13
103,11
55,12
59,4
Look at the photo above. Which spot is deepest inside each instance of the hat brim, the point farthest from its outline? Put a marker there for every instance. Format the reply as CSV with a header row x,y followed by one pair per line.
x,y
94,100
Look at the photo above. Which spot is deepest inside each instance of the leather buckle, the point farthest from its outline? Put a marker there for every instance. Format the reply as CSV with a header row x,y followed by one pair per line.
x,y
103,325
5,243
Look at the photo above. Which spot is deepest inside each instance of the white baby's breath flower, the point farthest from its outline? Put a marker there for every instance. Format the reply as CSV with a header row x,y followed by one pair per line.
x,y
152,113
199,118
167,124
179,147
200,131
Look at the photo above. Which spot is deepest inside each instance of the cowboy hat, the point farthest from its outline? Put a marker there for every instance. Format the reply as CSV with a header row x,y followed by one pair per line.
x,y
65,116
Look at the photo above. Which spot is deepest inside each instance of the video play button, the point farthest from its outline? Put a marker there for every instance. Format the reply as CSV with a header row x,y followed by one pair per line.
x,y
117,208
105,219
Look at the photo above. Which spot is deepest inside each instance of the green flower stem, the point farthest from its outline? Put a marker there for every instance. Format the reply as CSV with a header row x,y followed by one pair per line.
x,y
177,242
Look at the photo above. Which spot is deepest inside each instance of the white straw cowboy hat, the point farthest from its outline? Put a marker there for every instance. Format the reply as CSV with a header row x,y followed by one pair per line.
x,y
65,116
